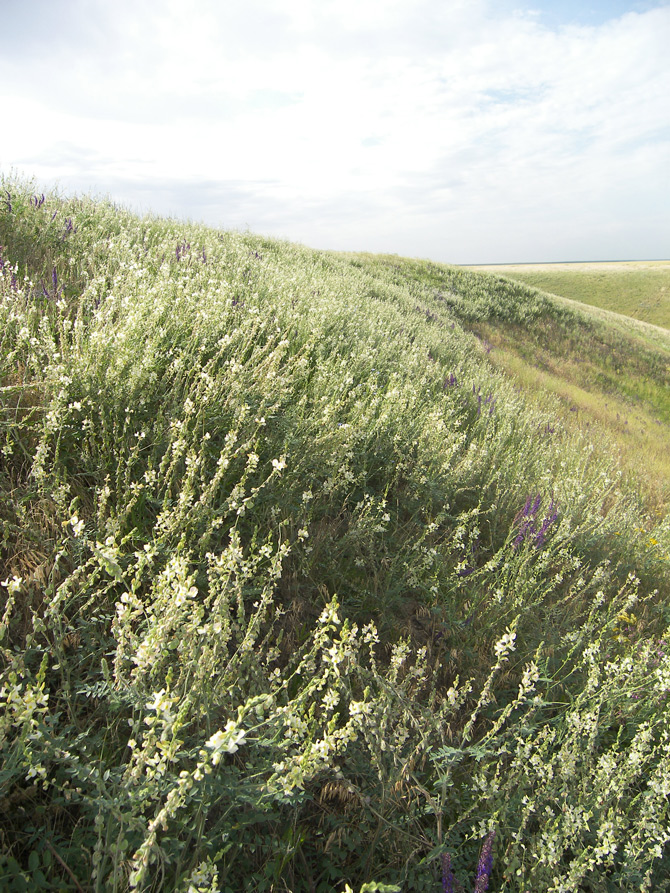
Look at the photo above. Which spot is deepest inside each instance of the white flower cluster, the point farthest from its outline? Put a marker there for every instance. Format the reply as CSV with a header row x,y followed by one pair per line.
x,y
227,740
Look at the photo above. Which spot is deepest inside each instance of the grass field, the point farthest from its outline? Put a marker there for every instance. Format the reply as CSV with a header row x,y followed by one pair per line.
x,y
610,373
639,289
307,584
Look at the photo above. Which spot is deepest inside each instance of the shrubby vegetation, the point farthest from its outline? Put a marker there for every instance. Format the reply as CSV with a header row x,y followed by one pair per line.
x,y
299,593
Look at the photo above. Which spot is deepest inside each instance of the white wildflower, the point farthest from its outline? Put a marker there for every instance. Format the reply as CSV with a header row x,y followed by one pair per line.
x,y
77,525
14,585
226,741
505,644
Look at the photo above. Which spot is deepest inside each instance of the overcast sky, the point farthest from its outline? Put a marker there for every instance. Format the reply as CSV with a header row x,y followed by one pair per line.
x,y
466,131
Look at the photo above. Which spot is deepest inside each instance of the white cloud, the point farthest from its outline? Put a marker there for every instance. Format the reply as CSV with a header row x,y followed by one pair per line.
x,y
464,131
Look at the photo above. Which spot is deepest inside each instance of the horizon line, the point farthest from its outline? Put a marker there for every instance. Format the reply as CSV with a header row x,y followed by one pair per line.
x,y
530,263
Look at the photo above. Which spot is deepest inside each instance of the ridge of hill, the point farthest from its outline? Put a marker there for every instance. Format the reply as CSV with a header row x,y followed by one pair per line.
x,y
299,591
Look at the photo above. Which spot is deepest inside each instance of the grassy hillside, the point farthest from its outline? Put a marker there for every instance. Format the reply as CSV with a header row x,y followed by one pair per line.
x,y
639,289
299,591
611,374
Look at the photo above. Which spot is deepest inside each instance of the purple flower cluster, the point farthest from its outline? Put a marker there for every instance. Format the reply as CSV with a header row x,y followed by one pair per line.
x,y
56,289
450,381
447,874
484,868
69,228
182,250
37,201
485,864
530,527
489,400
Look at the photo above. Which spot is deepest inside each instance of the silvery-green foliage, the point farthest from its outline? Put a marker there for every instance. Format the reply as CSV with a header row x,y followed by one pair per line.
x,y
296,589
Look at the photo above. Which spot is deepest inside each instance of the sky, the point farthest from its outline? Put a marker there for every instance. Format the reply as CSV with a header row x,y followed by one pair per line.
x,y
464,131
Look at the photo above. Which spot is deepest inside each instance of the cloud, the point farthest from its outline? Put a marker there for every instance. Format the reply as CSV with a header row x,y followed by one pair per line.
x,y
474,125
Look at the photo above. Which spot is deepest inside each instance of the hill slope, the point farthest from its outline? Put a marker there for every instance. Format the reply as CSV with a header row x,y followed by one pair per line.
x,y
610,372
299,590
639,289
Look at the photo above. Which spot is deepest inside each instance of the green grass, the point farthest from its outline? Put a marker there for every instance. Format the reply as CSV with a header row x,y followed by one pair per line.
x,y
300,591
611,374
639,289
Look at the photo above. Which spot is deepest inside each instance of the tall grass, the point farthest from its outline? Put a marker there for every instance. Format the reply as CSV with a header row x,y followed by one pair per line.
x,y
299,592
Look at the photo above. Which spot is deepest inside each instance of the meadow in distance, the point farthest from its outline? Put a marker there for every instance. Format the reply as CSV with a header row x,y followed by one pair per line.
x,y
322,572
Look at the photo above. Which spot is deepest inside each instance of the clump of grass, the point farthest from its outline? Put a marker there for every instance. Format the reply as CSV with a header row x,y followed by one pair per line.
x,y
299,592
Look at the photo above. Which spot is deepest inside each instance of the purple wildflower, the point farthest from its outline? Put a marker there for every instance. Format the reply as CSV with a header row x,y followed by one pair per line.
x,y
447,874
53,216
525,528
530,507
546,524
450,381
183,249
466,571
527,519
485,864
8,200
